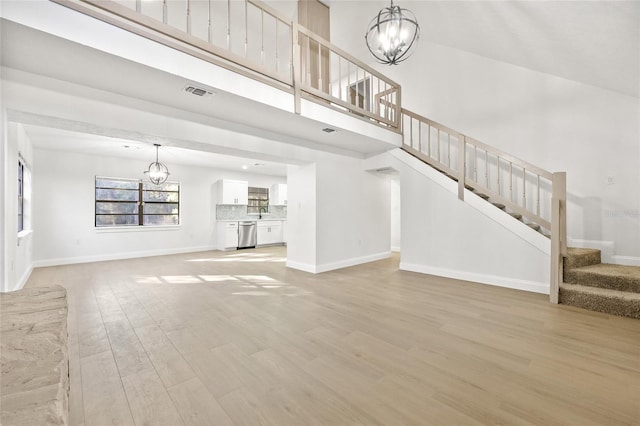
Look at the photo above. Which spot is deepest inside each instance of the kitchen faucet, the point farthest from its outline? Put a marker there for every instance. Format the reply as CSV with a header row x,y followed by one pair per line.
x,y
265,209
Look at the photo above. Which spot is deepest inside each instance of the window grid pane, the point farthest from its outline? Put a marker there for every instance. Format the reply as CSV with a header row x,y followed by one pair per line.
x,y
129,202
20,196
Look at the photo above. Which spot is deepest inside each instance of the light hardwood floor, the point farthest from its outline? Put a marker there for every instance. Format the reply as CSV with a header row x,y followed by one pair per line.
x,y
237,338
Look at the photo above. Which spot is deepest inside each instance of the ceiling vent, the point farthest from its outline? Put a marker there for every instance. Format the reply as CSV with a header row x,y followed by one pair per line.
x,y
328,130
386,170
197,91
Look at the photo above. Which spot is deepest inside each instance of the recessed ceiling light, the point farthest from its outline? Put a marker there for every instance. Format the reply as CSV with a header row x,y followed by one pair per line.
x,y
245,167
328,130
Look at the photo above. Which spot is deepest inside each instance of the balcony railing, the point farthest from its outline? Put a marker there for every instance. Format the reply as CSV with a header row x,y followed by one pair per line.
x,y
255,40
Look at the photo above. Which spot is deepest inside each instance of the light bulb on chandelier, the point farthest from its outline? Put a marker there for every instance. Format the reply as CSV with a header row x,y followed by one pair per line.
x,y
157,172
392,35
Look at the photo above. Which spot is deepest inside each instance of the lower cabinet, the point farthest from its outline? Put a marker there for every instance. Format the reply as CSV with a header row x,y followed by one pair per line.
x,y
270,232
227,235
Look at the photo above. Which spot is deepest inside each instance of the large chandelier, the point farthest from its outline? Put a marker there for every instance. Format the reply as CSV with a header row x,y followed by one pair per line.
x,y
157,172
393,34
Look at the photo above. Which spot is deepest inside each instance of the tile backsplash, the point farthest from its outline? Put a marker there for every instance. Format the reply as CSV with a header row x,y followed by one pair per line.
x,y
239,212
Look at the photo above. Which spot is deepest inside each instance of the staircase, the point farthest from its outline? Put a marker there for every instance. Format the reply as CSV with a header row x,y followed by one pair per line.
x,y
517,216
587,283
523,190
601,287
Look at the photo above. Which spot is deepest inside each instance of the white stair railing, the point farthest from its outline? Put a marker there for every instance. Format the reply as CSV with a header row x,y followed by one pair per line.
x,y
527,191
255,40
271,48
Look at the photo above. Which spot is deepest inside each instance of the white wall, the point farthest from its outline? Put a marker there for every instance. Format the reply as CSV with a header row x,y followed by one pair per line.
x,y
338,214
64,209
301,217
3,184
558,124
468,240
396,217
18,249
353,214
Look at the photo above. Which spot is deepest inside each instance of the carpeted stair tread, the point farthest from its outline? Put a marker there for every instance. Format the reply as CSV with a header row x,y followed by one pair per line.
x,y
499,205
481,195
516,215
605,300
534,226
579,257
604,275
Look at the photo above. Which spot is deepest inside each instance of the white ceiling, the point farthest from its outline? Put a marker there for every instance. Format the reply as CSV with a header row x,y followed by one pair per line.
x,y
64,60
593,42
64,140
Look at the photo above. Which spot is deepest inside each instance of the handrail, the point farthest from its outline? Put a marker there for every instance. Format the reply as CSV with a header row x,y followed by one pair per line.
x,y
271,11
492,149
457,155
333,75
341,52
148,23
317,70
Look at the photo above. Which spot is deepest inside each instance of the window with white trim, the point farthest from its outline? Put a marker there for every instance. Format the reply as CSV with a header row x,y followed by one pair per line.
x,y
24,196
131,202
20,196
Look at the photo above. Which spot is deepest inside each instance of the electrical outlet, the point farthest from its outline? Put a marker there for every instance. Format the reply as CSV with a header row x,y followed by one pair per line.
x,y
611,180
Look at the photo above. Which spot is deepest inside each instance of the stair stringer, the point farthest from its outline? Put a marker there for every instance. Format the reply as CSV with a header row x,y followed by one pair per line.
x,y
468,240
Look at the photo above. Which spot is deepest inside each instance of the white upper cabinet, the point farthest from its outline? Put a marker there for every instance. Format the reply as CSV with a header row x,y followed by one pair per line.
x,y
278,194
233,191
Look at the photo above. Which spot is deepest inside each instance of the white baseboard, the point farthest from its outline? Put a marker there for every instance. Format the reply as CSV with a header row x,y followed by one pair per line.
x,y
395,249
316,269
23,279
352,262
626,260
119,256
305,267
532,286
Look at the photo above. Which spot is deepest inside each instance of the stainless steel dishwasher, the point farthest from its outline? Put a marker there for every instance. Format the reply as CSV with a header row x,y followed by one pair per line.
x,y
247,234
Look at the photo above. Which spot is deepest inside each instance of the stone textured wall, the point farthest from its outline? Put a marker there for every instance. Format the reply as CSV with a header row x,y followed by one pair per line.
x,y
34,377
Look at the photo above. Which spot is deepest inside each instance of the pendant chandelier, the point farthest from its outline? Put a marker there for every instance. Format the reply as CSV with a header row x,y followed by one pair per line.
x,y
393,34
157,172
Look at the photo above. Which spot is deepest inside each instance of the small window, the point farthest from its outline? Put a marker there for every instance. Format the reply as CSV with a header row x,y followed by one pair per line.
x,y
130,202
20,196
24,196
258,200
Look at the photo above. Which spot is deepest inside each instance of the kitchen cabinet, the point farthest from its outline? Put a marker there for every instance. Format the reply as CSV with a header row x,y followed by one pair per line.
x,y
232,191
227,235
269,232
278,194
